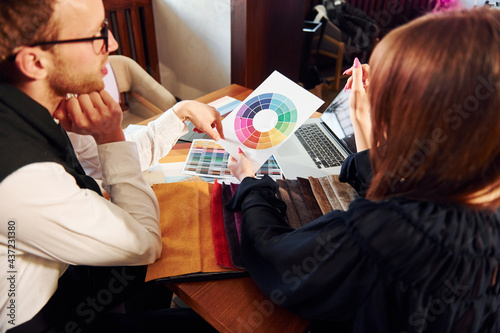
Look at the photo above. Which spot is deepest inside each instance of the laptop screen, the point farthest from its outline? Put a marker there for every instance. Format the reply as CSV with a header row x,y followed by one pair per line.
x,y
337,117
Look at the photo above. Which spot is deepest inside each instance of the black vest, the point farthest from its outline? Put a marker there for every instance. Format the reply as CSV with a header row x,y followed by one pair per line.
x,y
29,134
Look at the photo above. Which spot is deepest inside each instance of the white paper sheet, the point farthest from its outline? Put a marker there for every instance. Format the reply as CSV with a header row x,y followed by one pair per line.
x,y
266,118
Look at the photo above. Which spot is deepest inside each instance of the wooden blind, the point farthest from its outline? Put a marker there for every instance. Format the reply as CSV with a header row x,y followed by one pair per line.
x,y
131,22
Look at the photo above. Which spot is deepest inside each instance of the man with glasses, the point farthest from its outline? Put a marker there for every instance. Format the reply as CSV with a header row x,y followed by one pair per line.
x,y
70,257
98,46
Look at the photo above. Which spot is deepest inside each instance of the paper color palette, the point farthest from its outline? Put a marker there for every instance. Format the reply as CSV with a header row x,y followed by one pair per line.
x,y
225,104
209,159
267,118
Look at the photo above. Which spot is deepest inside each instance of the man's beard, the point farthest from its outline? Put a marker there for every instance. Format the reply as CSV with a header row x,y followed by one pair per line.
x,y
64,80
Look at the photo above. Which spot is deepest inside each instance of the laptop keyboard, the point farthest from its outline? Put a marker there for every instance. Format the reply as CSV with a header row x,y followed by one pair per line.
x,y
322,151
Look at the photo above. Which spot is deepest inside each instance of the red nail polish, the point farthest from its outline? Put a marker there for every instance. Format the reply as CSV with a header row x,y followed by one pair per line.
x,y
240,151
345,72
356,63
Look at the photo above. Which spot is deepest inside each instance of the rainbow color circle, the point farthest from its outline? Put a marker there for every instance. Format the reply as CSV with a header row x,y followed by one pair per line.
x,y
252,138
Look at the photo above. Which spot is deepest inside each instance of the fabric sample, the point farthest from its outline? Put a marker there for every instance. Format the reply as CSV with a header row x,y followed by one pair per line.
x,y
237,215
345,193
309,198
187,244
233,240
330,194
298,201
320,195
222,254
291,214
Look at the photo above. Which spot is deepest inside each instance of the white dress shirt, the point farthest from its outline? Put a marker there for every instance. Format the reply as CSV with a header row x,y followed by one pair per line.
x,y
110,84
57,223
154,141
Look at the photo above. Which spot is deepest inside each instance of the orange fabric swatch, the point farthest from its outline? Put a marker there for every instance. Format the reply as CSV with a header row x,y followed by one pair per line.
x,y
185,219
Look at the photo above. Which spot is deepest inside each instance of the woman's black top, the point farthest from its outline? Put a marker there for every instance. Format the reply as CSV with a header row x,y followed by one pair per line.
x,y
396,265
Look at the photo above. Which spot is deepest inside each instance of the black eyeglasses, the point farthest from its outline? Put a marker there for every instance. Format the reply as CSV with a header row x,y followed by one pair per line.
x,y
97,47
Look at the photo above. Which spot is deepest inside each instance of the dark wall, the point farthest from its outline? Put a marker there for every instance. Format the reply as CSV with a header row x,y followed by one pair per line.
x,y
266,35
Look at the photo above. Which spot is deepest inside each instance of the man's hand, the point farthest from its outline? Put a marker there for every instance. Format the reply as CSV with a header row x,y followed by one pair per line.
x,y
95,114
204,117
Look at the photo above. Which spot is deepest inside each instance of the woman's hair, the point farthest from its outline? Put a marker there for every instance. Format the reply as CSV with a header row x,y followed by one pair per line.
x,y
23,22
435,108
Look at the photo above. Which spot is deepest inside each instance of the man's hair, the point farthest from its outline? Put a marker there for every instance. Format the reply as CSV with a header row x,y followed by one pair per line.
x,y
22,22
435,96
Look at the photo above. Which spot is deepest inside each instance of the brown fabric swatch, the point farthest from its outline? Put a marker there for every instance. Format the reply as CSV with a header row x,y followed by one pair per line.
x,y
185,221
298,201
330,194
291,214
309,198
345,193
238,216
320,195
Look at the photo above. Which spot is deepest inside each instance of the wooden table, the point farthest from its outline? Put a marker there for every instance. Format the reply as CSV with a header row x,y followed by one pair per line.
x,y
232,305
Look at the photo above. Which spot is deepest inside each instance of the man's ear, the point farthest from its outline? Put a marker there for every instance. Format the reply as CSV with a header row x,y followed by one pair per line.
x,y
32,62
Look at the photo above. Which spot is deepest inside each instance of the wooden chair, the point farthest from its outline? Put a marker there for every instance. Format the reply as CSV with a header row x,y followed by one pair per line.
x,y
132,24
328,50
145,97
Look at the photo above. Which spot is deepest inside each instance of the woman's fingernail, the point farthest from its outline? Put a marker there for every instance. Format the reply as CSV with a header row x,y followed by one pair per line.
x,y
240,151
356,63
345,71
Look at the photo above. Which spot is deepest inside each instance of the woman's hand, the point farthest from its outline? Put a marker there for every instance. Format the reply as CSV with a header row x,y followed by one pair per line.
x,y
204,117
95,114
241,167
359,104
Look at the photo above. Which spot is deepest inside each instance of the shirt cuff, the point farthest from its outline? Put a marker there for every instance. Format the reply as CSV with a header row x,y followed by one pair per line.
x,y
119,161
169,121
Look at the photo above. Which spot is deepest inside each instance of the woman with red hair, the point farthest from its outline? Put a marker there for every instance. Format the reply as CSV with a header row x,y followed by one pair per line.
x,y
420,250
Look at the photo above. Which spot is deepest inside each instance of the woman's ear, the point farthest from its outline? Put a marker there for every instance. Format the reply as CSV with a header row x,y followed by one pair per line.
x,y
32,62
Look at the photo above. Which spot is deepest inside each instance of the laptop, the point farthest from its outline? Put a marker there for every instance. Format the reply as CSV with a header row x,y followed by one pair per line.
x,y
320,145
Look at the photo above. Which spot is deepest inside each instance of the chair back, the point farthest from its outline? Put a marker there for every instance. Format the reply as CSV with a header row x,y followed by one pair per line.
x,y
327,49
132,24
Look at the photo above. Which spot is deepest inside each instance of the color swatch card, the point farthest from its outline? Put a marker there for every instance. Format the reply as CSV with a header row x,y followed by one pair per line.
x,y
208,159
225,104
266,118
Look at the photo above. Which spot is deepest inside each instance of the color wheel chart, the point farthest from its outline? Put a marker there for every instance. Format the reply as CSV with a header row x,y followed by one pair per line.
x,y
207,158
265,120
